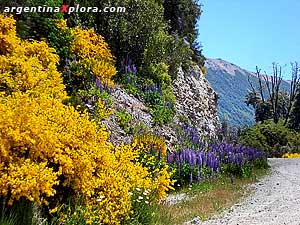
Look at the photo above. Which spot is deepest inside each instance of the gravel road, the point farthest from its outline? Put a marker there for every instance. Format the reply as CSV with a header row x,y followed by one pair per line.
x,y
275,199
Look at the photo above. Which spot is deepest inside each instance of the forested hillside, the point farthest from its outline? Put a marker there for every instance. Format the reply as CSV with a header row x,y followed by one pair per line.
x,y
232,85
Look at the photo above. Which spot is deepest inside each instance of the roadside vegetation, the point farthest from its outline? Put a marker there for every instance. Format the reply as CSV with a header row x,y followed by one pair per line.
x,y
276,131
57,164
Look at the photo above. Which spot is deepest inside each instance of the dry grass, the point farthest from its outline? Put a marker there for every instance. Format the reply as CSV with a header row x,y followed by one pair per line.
x,y
207,200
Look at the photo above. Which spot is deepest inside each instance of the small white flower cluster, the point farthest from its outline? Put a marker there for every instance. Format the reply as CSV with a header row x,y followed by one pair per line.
x,y
144,195
101,197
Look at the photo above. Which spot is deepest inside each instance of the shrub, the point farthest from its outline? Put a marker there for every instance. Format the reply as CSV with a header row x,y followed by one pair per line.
x,y
294,142
124,118
56,150
162,114
268,136
101,111
129,33
159,74
167,49
93,52
291,155
60,38
151,142
152,151
49,27
27,65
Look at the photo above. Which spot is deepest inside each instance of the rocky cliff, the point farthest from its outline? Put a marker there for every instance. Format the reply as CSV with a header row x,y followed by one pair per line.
x,y
196,103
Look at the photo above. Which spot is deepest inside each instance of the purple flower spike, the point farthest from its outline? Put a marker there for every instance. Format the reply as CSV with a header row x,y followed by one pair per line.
x,y
199,176
133,69
191,178
129,69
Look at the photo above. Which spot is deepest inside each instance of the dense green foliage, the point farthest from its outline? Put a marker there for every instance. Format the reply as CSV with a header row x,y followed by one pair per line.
x,y
153,36
295,114
182,16
275,139
145,33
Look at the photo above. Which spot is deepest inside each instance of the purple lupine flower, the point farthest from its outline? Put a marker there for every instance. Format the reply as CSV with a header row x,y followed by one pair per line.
x,y
99,85
134,70
199,176
129,69
191,178
200,161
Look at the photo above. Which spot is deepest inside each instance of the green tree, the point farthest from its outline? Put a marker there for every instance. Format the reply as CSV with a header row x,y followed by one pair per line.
x,y
129,33
295,113
182,16
267,97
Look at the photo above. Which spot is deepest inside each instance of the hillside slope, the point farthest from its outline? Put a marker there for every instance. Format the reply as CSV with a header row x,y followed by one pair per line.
x,y
231,84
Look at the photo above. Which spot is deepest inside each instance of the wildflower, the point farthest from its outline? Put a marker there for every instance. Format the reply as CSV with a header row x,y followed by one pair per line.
x,y
147,202
138,189
100,198
140,197
130,193
53,210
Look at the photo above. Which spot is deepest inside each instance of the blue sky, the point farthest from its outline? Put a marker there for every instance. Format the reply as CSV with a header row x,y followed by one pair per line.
x,y
250,33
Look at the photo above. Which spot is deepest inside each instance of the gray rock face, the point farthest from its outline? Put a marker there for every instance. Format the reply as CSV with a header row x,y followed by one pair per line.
x,y
139,112
195,100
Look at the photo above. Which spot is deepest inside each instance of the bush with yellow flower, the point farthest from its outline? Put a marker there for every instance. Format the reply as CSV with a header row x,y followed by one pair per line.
x,y
291,155
49,151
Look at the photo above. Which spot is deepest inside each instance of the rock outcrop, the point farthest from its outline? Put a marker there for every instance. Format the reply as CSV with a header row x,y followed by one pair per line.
x,y
196,101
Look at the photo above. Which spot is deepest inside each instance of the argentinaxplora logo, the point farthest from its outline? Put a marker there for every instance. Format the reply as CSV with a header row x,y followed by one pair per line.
x,y
64,9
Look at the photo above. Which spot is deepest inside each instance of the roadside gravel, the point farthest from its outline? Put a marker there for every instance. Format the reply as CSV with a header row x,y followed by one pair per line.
x,y
275,200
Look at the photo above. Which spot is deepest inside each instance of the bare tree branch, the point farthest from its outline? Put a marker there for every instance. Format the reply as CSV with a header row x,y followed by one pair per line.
x,y
260,84
293,88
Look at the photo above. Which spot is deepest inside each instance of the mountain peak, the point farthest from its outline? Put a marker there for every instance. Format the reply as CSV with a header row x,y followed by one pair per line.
x,y
224,66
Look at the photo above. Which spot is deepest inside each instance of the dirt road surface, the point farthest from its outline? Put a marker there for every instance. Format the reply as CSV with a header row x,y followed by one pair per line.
x,y
275,199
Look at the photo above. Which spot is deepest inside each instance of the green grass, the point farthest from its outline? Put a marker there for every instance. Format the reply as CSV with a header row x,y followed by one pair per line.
x,y
205,200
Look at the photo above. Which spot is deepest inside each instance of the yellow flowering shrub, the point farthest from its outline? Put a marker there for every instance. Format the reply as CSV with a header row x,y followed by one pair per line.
x,y
28,179
43,130
151,150
61,24
291,155
94,53
8,40
150,142
47,147
27,65
101,111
